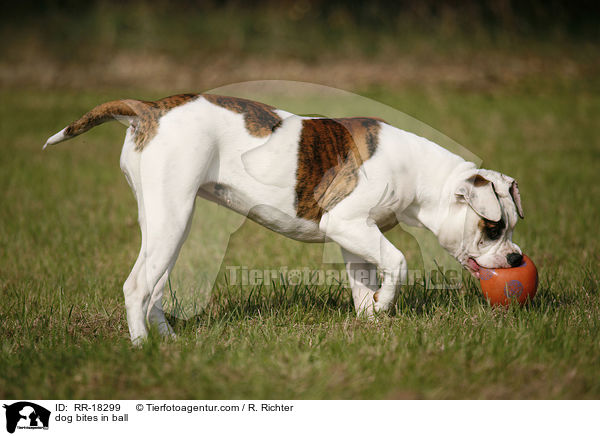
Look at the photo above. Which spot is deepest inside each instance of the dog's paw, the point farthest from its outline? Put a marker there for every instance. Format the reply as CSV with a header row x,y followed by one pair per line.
x,y
366,311
381,304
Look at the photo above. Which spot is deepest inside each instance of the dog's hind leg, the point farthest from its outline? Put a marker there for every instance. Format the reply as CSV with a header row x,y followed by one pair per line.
x,y
142,304
362,276
162,238
170,177
155,313
167,224
134,288
134,291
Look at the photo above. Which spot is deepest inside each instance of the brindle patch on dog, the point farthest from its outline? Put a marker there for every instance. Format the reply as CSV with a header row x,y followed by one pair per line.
x,y
148,114
98,115
331,151
261,119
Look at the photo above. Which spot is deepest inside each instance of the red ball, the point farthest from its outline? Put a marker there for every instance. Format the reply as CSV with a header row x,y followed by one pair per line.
x,y
501,286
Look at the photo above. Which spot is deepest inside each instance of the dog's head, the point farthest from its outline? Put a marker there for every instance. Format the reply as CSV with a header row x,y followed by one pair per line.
x,y
484,209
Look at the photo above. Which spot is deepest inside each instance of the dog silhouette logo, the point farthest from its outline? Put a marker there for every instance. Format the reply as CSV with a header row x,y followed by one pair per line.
x,y
26,415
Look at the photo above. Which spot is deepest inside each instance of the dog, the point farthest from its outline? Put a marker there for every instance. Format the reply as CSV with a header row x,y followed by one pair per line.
x,y
312,179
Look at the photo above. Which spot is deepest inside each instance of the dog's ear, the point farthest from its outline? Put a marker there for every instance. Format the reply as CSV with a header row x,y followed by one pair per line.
x,y
514,193
479,193
505,186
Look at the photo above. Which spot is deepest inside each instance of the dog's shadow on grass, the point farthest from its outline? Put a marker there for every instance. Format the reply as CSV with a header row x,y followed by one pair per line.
x,y
295,303
311,304
304,304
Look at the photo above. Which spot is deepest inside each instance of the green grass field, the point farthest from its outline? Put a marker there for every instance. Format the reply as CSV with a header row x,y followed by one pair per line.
x,y
69,236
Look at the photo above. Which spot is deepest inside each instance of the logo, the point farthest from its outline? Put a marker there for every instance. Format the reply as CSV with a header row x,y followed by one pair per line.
x,y
486,274
514,288
26,415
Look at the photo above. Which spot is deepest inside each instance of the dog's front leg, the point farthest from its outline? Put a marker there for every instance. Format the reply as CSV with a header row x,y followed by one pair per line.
x,y
395,272
362,277
366,242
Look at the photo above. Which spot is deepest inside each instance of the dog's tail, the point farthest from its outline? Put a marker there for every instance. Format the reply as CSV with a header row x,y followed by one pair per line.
x,y
123,110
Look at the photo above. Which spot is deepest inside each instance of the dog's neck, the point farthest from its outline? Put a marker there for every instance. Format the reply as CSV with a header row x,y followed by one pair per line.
x,y
440,173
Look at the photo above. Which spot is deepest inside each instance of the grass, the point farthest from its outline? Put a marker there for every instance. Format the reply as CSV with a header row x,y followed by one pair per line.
x,y
69,236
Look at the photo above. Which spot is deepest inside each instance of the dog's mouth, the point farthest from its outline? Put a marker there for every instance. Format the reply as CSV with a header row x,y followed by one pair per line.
x,y
473,267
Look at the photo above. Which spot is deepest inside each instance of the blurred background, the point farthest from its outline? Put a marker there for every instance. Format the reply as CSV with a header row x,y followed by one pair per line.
x,y
197,45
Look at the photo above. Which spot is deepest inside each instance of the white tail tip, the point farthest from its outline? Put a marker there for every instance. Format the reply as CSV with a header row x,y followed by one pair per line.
x,y
56,138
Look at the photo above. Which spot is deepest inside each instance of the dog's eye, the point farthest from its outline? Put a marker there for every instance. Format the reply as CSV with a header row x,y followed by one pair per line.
x,y
493,230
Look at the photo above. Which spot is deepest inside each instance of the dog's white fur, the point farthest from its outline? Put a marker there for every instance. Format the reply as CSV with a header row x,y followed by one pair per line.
x,y
200,146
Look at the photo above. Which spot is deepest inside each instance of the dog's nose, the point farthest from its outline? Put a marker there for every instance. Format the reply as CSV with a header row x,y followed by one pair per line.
x,y
514,259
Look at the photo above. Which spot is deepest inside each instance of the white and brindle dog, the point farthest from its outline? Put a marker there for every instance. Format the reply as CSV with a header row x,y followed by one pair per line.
x,y
312,179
